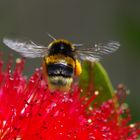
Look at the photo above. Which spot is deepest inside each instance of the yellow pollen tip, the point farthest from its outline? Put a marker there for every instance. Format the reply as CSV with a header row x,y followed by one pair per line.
x,y
18,60
89,120
96,92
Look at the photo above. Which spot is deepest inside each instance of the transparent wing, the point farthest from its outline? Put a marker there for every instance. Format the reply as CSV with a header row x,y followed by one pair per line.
x,y
26,49
97,51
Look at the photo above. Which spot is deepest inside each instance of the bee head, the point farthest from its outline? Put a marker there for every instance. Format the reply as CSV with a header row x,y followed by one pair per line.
x,y
61,46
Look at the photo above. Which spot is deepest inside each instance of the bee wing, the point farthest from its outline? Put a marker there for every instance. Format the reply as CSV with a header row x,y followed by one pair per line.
x,y
97,51
26,49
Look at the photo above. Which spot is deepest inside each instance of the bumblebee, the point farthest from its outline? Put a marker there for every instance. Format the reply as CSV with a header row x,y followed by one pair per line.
x,y
61,58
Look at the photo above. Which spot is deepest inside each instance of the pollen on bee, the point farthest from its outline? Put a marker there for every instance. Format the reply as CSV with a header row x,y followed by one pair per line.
x,y
78,69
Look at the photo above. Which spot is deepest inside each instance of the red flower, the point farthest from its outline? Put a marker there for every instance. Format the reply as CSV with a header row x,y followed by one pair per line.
x,y
28,110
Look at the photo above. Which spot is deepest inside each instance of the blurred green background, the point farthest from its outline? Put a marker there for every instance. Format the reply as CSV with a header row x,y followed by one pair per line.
x,y
81,21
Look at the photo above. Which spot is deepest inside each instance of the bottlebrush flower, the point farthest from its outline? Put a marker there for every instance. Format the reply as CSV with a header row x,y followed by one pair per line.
x,y
28,110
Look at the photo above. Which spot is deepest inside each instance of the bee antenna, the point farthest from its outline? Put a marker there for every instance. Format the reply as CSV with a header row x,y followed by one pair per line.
x,y
51,36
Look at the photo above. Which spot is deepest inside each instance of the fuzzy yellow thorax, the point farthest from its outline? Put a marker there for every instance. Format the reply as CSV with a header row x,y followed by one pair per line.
x,y
60,58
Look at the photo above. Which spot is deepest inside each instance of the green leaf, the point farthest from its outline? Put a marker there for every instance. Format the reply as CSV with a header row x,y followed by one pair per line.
x,y
95,78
